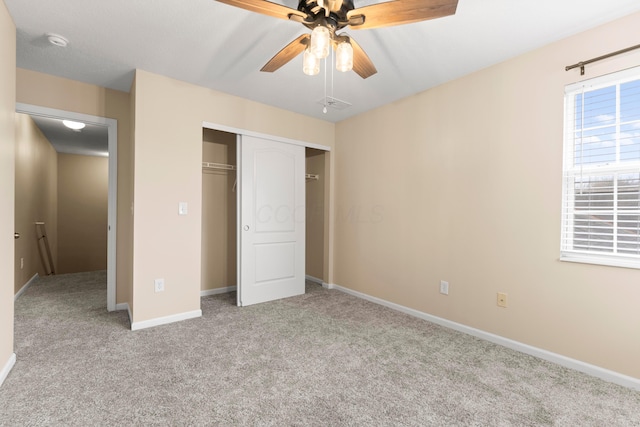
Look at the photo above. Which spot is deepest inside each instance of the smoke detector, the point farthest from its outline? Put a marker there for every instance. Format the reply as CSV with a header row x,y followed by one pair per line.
x,y
57,40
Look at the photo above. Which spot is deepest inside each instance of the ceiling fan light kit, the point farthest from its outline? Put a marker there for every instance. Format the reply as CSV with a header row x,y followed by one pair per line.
x,y
344,57
320,41
310,63
319,46
325,17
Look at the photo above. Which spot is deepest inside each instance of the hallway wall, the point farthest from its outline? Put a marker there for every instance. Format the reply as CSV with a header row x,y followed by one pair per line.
x,y
83,189
36,199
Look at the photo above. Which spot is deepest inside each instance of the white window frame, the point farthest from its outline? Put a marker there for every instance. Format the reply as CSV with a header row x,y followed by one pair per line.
x,y
569,172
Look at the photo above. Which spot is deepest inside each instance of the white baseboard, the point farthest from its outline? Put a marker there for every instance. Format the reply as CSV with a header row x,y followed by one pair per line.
x,y
25,287
7,368
315,280
218,291
125,306
122,306
596,371
135,326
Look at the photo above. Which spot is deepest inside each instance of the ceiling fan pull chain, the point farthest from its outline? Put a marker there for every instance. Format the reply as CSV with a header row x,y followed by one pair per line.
x,y
324,108
333,65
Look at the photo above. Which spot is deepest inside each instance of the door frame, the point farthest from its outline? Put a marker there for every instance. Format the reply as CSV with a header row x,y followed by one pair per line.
x,y
112,206
238,132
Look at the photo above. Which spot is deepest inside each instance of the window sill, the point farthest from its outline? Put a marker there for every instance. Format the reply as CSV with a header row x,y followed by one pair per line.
x,y
601,260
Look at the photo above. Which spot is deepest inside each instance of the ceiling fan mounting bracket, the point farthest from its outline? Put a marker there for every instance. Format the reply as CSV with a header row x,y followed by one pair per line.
x,y
330,23
321,16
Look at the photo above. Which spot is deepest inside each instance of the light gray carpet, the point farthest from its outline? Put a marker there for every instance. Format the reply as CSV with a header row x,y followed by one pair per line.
x,y
322,359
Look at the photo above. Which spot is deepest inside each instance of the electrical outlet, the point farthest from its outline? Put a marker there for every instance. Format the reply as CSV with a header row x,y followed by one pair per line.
x,y
502,299
158,285
444,287
21,263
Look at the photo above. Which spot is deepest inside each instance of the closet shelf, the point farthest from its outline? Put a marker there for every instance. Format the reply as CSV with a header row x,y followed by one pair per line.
x,y
218,166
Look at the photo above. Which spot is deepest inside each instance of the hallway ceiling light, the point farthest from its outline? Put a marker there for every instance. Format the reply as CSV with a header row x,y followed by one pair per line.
x,y
73,125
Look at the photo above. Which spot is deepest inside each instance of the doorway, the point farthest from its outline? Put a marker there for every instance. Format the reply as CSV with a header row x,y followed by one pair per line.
x,y
111,128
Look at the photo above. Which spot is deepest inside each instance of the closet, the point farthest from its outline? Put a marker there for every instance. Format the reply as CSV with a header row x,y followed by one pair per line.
x,y
315,214
218,273
219,212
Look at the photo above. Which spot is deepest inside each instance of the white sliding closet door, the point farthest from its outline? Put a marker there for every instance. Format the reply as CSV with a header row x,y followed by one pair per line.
x,y
271,220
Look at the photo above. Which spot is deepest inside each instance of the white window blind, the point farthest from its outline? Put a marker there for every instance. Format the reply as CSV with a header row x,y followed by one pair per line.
x,y
601,171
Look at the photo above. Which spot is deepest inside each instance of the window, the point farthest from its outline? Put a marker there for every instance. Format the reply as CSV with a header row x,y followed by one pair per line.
x,y
601,171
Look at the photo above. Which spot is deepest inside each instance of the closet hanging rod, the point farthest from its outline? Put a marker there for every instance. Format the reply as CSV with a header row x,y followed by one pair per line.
x,y
581,64
222,166
218,166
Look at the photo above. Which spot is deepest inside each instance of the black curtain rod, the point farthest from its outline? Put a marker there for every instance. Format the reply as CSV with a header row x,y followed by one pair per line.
x,y
581,64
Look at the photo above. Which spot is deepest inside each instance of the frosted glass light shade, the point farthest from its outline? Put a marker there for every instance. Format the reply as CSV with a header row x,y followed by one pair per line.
x,y
344,57
320,41
73,125
310,63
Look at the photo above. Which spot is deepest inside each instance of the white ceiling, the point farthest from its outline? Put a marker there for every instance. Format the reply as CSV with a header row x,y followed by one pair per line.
x,y
221,47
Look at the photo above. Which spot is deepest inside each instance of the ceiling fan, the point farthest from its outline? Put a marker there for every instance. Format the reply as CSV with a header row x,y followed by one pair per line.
x,y
326,17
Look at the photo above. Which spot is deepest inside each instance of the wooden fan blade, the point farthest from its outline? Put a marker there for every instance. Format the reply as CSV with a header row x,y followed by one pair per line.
x,y
362,65
333,5
266,8
400,12
287,53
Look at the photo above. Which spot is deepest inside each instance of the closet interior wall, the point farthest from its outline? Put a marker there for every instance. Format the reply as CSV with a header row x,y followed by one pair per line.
x,y
315,221
218,213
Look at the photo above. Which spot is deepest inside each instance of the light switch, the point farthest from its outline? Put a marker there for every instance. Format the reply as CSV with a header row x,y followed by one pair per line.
x,y
182,208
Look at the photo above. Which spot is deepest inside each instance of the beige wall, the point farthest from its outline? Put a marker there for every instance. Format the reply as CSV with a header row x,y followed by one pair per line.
x,y
463,183
218,212
83,189
36,192
168,152
315,218
7,156
54,92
